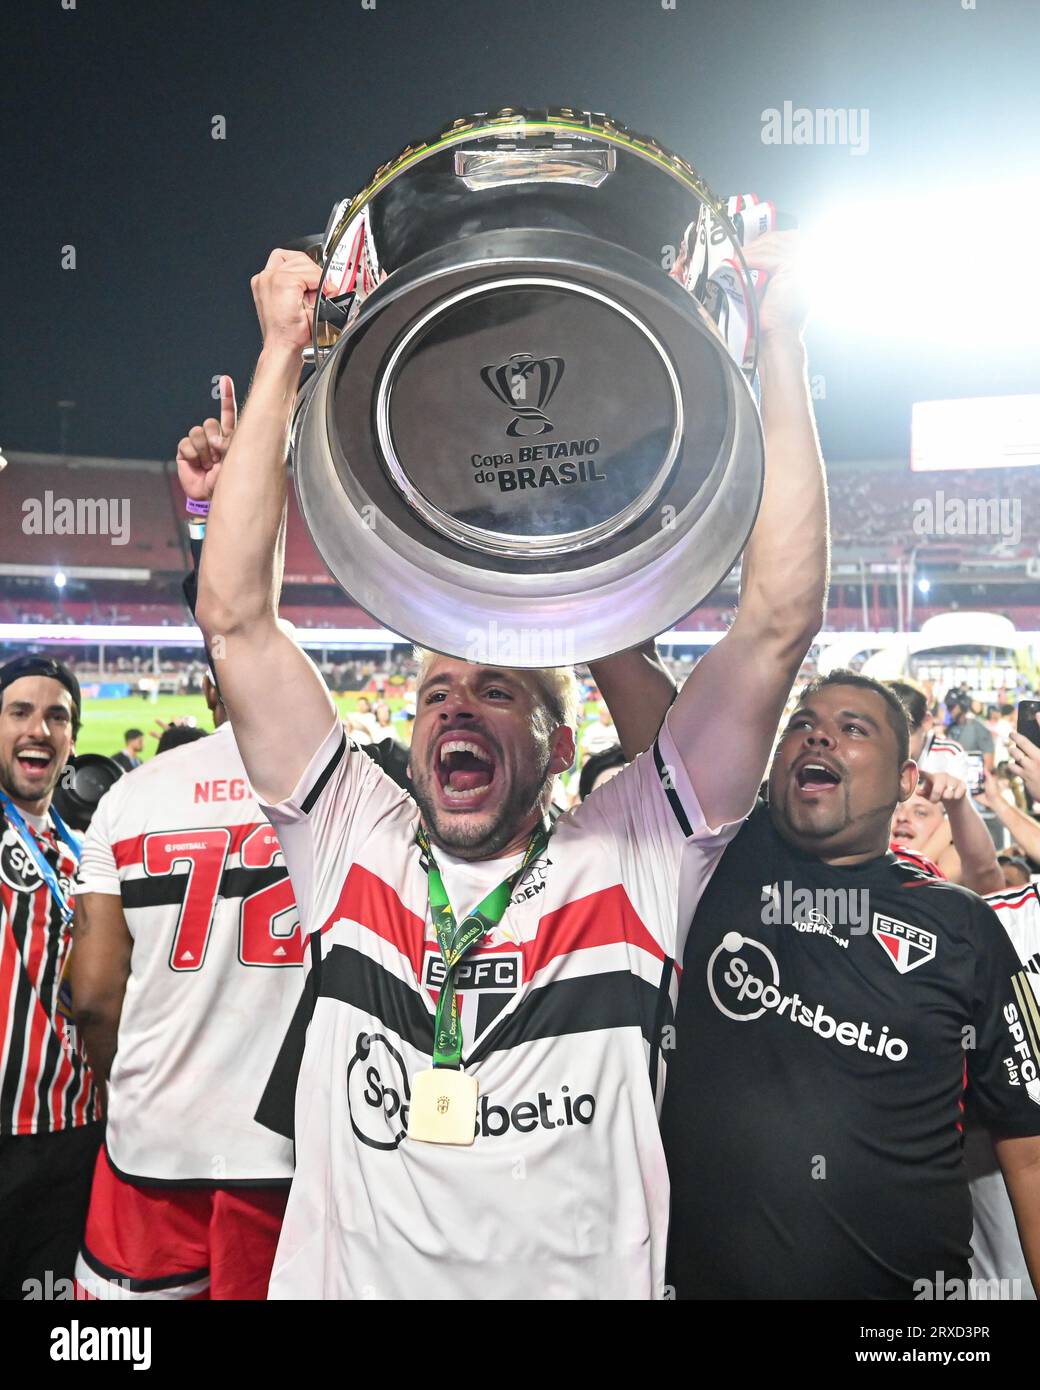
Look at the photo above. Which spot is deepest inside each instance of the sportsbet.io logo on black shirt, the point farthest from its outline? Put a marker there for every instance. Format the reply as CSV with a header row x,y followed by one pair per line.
x,y
744,984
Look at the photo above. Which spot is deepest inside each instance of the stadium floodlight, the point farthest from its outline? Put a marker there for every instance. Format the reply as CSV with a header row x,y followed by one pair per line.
x,y
925,586
902,269
59,580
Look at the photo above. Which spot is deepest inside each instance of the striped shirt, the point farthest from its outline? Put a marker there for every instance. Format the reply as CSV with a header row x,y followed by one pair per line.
x,y
997,1248
943,755
1019,910
565,1007
916,861
45,1083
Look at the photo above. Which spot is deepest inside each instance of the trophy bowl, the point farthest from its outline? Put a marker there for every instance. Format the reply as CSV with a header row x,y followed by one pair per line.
x,y
530,438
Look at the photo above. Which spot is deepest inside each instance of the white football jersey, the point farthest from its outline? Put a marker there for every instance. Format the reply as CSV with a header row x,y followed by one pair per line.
x,y
941,754
597,737
215,971
566,1012
995,1241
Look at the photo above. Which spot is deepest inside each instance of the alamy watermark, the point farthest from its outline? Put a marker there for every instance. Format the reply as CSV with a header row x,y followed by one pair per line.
x,y
85,1342
81,516
953,1290
502,645
830,125
940,515
817,910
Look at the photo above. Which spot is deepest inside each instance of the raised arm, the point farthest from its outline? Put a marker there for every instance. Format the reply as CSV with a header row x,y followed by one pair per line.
x,y
977,866
638,689
725,718
278,703
1024,830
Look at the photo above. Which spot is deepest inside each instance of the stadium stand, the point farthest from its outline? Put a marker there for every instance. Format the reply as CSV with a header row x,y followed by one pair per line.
x,y
873,507
145,493
303,564
126,614
124,520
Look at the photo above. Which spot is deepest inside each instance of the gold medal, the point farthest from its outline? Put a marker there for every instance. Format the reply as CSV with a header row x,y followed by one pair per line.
x,y
443,1107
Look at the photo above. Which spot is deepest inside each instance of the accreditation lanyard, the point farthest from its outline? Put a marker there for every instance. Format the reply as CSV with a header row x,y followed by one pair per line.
x,y
456,939
31,845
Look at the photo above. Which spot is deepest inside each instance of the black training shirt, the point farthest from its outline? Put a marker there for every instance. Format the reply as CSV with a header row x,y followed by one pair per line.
x,y
828,1022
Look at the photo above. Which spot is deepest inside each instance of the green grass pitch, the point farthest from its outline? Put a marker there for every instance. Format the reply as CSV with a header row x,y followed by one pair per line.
x,y
105,721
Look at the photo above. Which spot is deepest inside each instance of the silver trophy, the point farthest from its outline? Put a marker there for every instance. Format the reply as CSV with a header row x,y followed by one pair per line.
x,y
530,436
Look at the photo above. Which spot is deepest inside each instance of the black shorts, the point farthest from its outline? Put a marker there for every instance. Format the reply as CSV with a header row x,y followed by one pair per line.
x,y
44,1190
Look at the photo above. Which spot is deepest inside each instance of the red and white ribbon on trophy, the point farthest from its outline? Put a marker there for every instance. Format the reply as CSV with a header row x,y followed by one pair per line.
x,y
717,279
354,268
702,266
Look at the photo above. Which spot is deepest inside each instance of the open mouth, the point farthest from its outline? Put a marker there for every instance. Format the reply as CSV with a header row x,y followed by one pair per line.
x,y
465,769
816,777
34,762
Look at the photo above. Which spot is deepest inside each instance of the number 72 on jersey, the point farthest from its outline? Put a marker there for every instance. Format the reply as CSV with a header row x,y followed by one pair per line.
x,y
269,927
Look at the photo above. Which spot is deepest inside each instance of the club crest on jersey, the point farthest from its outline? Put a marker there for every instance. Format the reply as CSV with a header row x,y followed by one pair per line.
x,y
500,973
905,945
17,866
487,984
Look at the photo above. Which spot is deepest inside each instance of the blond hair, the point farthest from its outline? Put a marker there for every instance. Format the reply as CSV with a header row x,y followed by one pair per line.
x,y
558,685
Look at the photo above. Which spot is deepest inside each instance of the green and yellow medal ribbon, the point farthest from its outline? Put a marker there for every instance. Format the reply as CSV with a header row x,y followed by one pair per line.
x,y
456,939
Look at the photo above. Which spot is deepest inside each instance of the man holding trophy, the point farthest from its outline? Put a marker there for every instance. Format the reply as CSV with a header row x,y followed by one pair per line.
x,y
476,1107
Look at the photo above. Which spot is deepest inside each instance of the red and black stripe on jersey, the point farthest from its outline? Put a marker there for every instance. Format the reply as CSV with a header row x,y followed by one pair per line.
x,y
926,867
1024,901
45,1083
1015,899
942,745
585,1003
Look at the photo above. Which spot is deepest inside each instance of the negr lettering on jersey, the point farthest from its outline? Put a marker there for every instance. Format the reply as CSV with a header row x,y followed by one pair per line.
x,y
223,789
217,955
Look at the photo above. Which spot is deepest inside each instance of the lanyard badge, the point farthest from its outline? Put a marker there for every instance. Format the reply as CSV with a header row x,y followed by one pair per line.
x,y
443,1107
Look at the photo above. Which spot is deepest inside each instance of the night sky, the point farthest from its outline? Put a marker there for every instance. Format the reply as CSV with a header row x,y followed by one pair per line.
x,y
109,150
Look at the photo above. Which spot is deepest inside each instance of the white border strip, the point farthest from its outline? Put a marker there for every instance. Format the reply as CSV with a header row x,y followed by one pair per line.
x,y
90,634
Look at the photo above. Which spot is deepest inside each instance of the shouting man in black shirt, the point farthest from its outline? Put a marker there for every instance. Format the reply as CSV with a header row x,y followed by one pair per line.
x,y
836,1006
